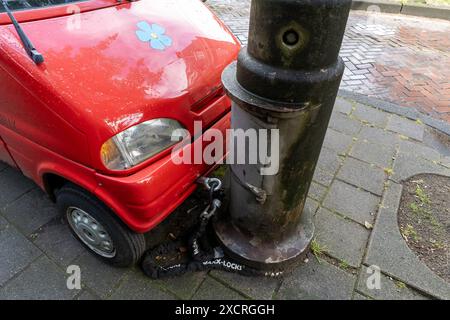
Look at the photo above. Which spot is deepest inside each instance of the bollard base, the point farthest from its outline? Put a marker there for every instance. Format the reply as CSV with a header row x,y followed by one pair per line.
x,y
266,255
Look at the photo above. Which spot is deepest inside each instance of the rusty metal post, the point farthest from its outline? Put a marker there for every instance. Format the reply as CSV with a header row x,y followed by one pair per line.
x,y
286,78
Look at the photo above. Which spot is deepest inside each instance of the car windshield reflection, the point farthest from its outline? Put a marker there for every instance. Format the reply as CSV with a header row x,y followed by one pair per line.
x,y
15,5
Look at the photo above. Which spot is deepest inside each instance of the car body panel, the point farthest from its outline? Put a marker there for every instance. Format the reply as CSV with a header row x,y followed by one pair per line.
x,y
5,156
98,79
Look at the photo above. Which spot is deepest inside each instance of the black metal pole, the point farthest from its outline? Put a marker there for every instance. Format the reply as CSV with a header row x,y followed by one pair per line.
x,y
287,78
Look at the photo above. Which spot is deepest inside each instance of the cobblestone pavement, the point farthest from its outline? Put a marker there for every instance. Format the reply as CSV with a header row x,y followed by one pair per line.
x,y
367,152
400,59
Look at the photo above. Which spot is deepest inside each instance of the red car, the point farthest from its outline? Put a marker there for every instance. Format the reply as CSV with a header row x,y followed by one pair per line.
x,y
90,92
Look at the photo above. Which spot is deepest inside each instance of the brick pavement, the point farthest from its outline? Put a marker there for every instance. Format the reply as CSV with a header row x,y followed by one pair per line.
x,y
405,60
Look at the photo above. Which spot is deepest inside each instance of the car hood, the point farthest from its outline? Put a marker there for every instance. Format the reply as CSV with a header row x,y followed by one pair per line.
x,y
119,66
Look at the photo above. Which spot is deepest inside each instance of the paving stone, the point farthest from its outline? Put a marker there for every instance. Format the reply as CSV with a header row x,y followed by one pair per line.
x,y
3,223
388,250
379,136
406,127
42,280
446,162
317,191
419,150
345,124
136,286
323,177
343,106
359,296
314,280
407,165
342,238
363,175
312,205
58,243
12,185
184,286
30,211
389,288
98,276
262,289
329,160
214,290
338,141
16,253
370,115
87,295
352,202
380,155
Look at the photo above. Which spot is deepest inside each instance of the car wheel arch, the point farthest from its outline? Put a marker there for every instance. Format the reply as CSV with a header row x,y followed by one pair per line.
x,y
52,183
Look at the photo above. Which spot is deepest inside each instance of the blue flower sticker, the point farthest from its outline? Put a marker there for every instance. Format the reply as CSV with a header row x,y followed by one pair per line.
x,y
155,34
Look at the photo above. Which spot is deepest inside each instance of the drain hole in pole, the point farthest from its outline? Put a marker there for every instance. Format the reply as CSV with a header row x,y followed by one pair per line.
x,y
291,37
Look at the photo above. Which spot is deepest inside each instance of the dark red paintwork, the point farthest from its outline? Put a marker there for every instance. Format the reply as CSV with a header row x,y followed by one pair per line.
x,y
99,80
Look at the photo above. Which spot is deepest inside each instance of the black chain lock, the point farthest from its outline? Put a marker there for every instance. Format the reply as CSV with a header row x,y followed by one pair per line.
x,y
172,259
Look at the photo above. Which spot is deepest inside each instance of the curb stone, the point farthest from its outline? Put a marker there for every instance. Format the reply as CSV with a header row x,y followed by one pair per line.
x,y
438,12
388,250
390,288
407,112
385,6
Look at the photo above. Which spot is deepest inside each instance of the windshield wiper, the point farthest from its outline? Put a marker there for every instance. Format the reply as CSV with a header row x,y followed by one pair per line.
x,y
28,45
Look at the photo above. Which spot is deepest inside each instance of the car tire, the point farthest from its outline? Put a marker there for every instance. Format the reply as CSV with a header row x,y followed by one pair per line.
x,y
98,228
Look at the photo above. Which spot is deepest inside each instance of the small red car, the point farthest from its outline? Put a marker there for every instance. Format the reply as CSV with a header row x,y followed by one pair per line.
x,y
91,124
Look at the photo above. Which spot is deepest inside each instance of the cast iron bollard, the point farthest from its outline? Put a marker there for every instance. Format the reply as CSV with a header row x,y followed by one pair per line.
x,y
287,79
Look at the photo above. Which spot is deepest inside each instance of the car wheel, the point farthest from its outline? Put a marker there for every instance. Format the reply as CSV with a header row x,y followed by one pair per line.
x,y
98,229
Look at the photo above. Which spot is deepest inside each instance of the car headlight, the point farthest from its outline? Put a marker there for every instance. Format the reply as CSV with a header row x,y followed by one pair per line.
x,y
140,142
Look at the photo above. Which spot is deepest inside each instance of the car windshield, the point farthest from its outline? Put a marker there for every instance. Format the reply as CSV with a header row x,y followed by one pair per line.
x,y
34,4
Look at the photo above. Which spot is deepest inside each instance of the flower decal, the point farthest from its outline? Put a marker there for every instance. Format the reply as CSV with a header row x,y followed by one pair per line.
x,y
155,34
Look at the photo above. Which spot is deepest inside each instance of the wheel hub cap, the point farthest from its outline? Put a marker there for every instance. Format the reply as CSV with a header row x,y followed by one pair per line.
x,y
91,232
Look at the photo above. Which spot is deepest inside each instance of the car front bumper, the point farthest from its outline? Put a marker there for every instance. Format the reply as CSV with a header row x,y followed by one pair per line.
x,y
147,197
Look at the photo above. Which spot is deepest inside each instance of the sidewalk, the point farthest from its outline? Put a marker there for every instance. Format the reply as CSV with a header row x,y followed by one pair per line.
x,y
367,152
396,58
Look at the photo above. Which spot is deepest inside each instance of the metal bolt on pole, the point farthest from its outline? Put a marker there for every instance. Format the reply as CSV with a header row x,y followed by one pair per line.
x,y
287,78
